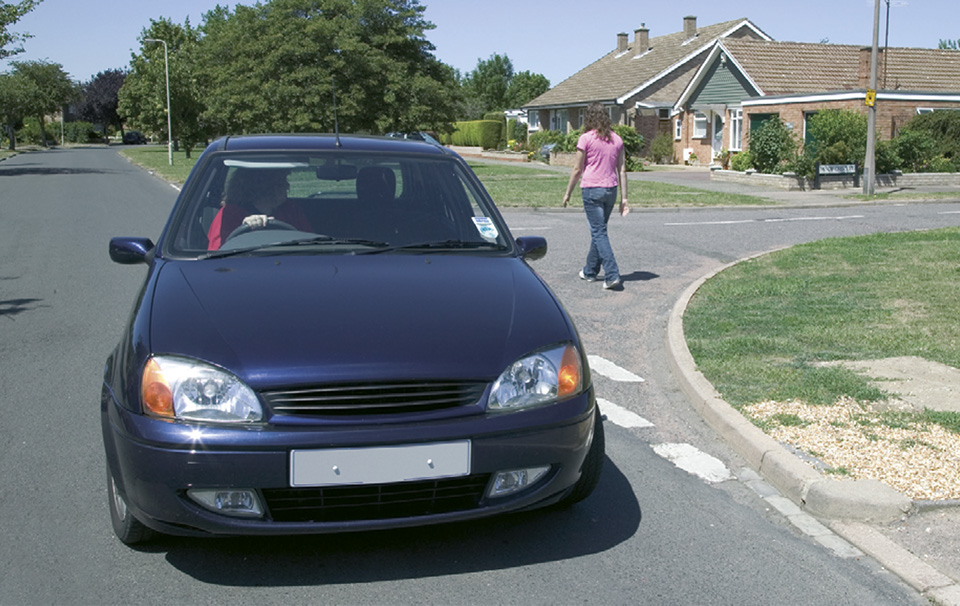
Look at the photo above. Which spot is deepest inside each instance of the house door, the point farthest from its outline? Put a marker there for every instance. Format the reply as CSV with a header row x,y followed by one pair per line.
x,y
717,134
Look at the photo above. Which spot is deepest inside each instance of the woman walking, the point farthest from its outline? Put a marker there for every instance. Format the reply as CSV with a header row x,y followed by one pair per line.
x,y
601,164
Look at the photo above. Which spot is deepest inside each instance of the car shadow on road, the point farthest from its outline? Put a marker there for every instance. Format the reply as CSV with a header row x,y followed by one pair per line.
x,y
604,520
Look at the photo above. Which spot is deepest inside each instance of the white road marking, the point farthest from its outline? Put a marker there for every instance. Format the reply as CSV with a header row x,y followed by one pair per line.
x,y
621,416
691,460
612,371
767,220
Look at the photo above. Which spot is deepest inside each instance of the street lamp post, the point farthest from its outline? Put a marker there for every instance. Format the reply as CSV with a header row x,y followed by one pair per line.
x,y
166,69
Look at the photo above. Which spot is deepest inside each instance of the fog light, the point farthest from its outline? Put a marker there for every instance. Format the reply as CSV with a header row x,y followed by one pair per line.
x,y
238,503
509,482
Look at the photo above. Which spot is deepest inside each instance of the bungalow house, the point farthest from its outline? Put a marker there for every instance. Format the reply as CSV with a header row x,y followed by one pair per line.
x,y
743,82
639,82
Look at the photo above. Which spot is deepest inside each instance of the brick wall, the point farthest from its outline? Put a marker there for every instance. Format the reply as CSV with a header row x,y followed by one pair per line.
x,y
891,115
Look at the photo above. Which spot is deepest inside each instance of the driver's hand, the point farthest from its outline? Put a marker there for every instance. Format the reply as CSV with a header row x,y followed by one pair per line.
x,y
256,221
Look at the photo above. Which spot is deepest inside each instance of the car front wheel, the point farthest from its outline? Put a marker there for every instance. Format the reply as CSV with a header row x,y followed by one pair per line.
x,y
127,528
591,468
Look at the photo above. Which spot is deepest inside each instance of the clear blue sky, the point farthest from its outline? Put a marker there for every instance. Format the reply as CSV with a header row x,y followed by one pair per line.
x,y
555,38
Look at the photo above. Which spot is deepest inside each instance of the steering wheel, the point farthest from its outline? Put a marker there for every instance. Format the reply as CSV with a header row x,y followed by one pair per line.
x,y
271,224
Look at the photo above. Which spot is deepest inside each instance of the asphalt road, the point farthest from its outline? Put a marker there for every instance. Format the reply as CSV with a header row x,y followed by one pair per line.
x,y
652,532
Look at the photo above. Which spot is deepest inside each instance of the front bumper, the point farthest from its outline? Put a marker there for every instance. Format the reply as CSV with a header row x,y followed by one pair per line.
x,y
155,462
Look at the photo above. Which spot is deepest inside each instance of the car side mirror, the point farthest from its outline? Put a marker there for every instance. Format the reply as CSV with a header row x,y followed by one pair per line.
x,y
532,248
130,251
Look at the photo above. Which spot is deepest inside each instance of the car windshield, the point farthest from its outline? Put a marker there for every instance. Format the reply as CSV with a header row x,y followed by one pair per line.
x,y
332,202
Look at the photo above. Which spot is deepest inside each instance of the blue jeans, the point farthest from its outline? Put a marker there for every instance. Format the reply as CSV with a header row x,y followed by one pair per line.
x,y
598,203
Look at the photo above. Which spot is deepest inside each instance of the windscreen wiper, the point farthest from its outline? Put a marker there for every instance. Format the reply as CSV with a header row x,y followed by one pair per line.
x,y
434,245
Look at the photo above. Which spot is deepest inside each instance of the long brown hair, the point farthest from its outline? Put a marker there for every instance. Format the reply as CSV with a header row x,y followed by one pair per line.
x,y
597,118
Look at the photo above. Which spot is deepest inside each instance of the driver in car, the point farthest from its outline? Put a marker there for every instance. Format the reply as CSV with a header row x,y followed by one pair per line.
x,y
253,199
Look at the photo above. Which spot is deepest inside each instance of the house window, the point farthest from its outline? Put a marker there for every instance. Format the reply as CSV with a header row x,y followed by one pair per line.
x,y
736,129
678,128
562,119
699,125
534,120
580,118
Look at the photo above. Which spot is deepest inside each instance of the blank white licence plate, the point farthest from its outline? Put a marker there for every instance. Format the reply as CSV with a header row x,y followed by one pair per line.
x,y
379,465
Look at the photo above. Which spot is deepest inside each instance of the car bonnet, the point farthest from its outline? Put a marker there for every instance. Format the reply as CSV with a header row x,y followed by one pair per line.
x,y
297,320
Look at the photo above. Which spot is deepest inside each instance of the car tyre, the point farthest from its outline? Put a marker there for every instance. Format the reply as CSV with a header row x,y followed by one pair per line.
x,y
128,529
591,468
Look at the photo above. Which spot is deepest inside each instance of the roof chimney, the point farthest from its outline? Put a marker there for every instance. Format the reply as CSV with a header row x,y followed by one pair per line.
x,y
863,67
641,38
689,27
621,42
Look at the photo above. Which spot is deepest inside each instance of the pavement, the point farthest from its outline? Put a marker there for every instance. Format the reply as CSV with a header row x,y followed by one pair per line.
x,y
917,541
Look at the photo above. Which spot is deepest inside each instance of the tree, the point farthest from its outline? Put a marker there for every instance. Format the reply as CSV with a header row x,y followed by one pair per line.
x,y
100,99
143,96
949,45
525,87
51,89
487,85
16,91
10,13
275,66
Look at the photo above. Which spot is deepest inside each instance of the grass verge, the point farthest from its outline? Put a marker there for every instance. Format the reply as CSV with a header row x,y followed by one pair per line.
x,y
536,187
758,330
156,158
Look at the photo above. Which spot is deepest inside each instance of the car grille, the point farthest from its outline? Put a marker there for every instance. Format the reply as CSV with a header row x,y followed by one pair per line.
x,y
367,399
376,502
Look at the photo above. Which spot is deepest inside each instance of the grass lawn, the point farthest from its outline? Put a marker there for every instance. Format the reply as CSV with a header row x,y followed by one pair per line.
x,y
758,330
156,158
908,195
531,186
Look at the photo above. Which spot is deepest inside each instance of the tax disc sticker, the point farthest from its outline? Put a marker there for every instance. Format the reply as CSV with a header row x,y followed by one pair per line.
x,y
486,228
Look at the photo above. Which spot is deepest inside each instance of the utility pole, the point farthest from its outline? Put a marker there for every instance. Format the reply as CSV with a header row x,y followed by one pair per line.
x,y
870,162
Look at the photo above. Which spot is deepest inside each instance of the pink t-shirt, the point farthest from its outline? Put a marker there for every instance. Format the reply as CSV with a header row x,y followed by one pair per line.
x,y
600,163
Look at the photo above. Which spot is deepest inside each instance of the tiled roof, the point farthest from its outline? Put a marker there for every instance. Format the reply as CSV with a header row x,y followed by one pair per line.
x,y
783,68
618,74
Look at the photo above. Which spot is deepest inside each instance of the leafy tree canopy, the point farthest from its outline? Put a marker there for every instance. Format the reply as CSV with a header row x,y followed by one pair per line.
x,y
100,99
48,90
494,86
143,96
524,87
274,67
10,13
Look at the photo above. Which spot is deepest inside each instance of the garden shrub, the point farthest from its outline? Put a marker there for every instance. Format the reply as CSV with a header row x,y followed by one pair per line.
x,y
839,137
661,148
741,161
915,150
771,146
79,132
942,129
482,133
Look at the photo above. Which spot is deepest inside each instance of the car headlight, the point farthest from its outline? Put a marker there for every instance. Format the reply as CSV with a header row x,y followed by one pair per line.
x,y
537,379
180,388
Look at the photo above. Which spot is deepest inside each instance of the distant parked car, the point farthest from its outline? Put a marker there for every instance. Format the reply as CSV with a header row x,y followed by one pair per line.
x,y
368,349
133,137
417,135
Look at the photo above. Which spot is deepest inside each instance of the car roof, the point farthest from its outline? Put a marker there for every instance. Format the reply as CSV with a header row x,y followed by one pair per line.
x,y
323,142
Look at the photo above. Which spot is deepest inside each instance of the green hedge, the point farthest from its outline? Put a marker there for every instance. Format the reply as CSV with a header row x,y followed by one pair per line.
x,y
482,133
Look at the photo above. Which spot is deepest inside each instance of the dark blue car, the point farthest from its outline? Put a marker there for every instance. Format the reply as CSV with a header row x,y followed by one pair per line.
x,y
338,334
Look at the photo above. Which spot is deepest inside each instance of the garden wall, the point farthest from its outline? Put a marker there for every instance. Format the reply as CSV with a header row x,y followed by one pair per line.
x,y
790,181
